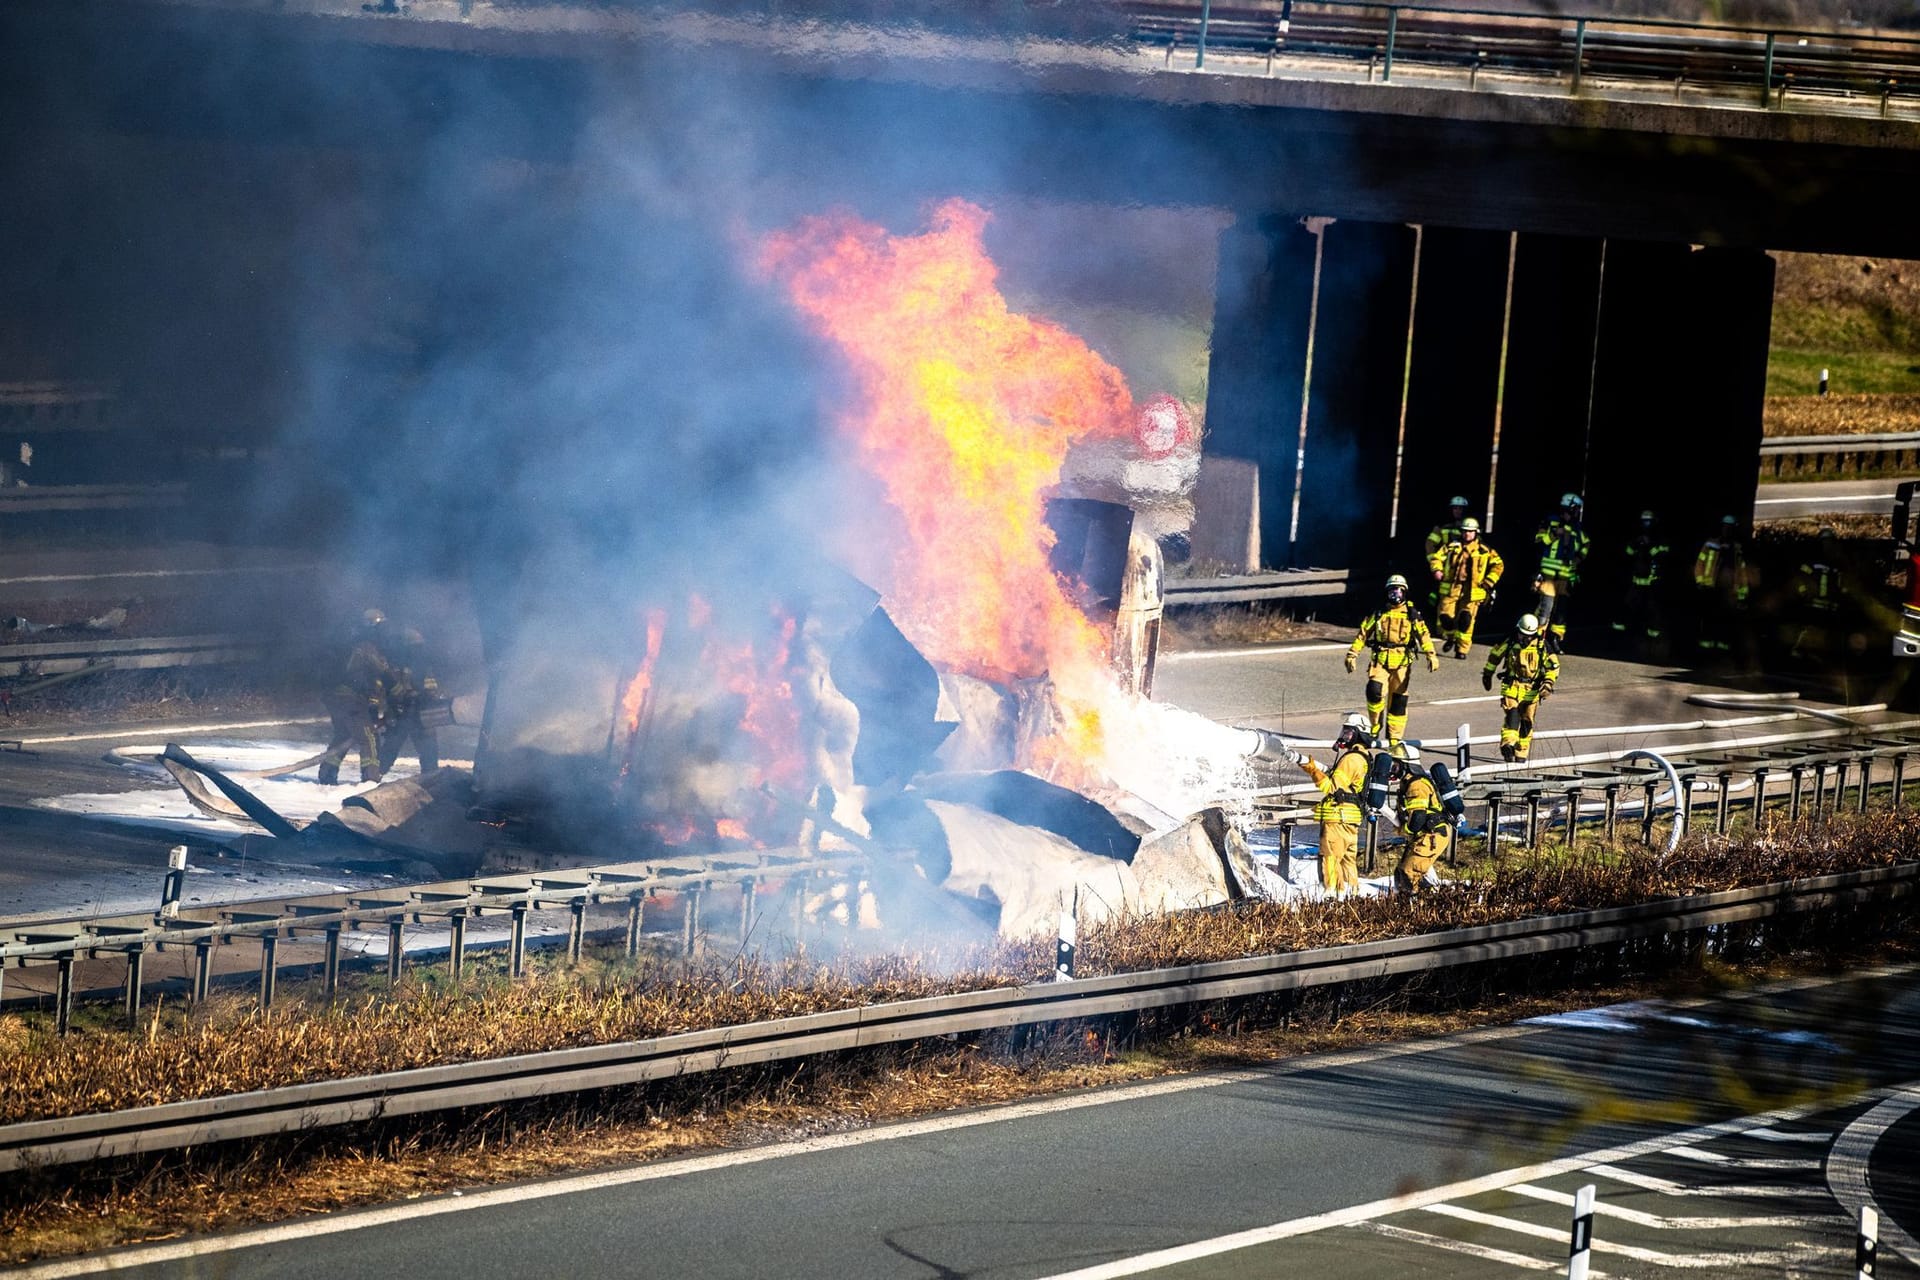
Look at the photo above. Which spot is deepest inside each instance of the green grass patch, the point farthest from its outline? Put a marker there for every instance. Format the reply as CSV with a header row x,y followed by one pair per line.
x,y
1796,372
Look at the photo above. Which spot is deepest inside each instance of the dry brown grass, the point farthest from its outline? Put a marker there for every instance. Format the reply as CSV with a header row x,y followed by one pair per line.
x,y
1838,415
230,1048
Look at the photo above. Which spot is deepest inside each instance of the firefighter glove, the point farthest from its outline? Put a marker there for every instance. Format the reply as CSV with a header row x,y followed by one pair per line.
x,y
1486,681
1545,689
1433,660
1352,658
1493,593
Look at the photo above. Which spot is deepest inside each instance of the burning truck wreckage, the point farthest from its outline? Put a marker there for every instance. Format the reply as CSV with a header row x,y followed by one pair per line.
x,y
954,694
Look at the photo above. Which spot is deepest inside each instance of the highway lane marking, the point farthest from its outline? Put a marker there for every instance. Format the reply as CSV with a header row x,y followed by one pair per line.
x,y
492,1197
1668,1187
1778,1135
1354,1215
1848,1160
1484,1252
155,573
1859,497
1678,1261
147,731
1257,651
1461,702
1769,1163
1662,1222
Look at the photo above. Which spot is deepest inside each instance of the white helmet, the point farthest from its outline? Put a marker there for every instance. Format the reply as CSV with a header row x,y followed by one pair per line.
x,y
1406,753
1528,625
1469,525
1358,720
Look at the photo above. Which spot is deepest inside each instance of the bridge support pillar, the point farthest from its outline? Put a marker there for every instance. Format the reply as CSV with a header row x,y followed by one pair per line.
x,y
1549,381
1355,390
1263,302
1453,381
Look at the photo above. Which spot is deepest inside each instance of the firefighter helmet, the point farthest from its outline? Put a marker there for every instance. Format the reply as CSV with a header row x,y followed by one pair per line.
x,y
1396,589
372,618
1469,525
1731,522
1406,753
1646,517
1572,500
1357,720
1528,625
1355,731
1457,501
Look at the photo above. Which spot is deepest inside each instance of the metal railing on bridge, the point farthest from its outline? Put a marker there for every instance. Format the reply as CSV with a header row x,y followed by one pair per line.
x,y
1769,67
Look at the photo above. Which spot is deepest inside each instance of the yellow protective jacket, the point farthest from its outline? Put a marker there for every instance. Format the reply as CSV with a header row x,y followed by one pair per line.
x,y
1343,788
1418,798
1526,666
1563,547
1472,567
1722,566
1393,634
1440,535
1818,587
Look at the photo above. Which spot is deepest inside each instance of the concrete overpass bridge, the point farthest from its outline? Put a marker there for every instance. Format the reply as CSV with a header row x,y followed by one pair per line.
x,y
1415,270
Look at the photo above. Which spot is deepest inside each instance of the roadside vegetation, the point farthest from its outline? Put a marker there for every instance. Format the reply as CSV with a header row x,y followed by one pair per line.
x,y
1858,318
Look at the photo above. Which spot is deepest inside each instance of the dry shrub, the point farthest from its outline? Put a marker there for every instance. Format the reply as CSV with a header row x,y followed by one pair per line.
x,y
230,1047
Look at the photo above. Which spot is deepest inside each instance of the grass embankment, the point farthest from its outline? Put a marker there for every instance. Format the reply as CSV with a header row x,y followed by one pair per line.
x,y
1857,317
227,1047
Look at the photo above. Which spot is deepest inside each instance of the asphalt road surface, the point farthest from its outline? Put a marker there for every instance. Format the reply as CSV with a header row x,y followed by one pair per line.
x,y
1825,497
1734,1135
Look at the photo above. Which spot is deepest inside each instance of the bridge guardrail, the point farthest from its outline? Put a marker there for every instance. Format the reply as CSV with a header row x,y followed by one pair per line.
x,y
1765,63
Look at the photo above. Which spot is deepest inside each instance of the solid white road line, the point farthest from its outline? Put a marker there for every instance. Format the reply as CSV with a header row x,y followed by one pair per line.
x,y
1778,1135
1768,1163
1461,702
1661,1222
148,731
1484,1252
1668,1187
1847,1166
1256,651
1356,1214
1858,497
491,1197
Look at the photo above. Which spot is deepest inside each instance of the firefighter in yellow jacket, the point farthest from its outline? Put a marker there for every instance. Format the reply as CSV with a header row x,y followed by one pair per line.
x,y
1422,819
1466,570
1343,788
1722,581
1394,633
1528,668
1563,547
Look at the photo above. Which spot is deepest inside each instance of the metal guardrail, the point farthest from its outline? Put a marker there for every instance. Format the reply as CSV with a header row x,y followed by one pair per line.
x,y
90,497
300,1108
1764,63
54,657
1837,454
1277,584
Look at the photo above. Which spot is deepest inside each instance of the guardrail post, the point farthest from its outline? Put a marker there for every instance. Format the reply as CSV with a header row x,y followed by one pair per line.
x,y
1819,797
748,891
1899,778
1393,29
135,956
1759,797
1533,820
269,947
1841,773
1795,773
1613,808
1573,815
1721,810
330,970
1683,807
202,969
63,997
576,929
1866,782
636,914
690,924
396,947
456,944
1766,81
517,942
1200,52
1886,95
1579,51
1493,825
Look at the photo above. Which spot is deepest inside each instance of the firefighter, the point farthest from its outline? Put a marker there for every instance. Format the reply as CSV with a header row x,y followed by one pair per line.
x,y
1422,819
1343,790
1446,531
358,704
1528,666
1394,633
1722,581
1819,590
412,690
1641,614
1467,571
1563,548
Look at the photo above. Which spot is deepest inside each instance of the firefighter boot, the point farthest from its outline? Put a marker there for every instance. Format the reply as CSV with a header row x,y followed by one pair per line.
x,y
330,773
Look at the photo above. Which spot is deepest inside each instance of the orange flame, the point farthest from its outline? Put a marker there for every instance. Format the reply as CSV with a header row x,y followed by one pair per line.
x,y
633,701
967,412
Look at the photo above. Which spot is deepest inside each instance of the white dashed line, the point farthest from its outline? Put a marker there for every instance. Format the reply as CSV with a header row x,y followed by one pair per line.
x,y
1486,1253
1667,1187
1769,1164
1660,1222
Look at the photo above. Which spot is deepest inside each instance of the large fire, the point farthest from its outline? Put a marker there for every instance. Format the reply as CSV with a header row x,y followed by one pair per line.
x,y
966,413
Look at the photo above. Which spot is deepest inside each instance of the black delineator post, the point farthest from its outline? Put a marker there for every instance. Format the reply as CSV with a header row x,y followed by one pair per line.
x,y
63,997
1580,1245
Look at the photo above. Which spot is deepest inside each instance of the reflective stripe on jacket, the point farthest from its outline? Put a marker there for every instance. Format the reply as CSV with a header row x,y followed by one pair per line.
x,y
1343,788
1391,633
